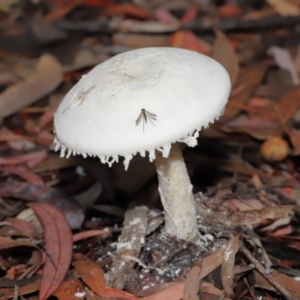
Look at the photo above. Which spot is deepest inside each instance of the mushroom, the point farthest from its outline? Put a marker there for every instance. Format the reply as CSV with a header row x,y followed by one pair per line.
x,y
146,101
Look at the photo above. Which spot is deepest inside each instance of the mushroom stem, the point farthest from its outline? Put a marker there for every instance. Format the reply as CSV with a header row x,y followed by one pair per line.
x,y
176,195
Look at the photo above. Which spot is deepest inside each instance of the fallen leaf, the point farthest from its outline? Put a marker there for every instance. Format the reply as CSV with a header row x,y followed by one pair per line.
x,y
258,127
114,293
213,260
59,247
285,109
174,292
227,272
60,12
128,9
294,136
18,227
163,15
284,7
250,77
140,40
46,77
146,26
190,15
225,54
23,173
285,61
188,40
257,216
7,293
229,10
71,289
15,141
88,234
31,159
30,192
192,284
91,274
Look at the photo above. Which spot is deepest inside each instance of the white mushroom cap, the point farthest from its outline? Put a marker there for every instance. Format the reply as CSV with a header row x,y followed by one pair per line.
x,y
184,89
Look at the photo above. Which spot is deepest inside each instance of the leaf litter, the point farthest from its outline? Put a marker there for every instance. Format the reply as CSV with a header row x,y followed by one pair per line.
x,y
114,245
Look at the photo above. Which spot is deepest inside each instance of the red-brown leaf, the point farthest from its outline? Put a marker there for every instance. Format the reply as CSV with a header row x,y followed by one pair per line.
x,y
92,275
58,242
188,40
114,293
175,292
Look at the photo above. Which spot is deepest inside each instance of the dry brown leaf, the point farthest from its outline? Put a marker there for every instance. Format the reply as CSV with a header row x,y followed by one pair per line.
x,y
289,283
71,289
227,271
285,61
257,216
251,77
209,288
54,162
146,26
294,135
285,109
214,260
141,40
175,292
7,293
284,7
46,77
192,284
91,274
224,53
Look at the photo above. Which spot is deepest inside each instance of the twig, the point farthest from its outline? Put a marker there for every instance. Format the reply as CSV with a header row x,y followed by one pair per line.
x,y
261,269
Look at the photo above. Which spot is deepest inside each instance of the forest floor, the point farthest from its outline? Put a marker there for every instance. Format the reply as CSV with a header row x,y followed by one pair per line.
x,y
64,222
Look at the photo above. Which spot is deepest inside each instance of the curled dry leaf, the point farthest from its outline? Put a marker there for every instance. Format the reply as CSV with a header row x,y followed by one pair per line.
x,y
88,234
15,141
7,243
214,260
8,293
285,8
175,292
227,272
149,26
128,9
71,289
135,40
20,171
192,284
190,14
91,274
285,61
163,15
31,159
47,76
257,216
250,77
225,54
114,293
18,227
294,135
188,40
58,244
42,193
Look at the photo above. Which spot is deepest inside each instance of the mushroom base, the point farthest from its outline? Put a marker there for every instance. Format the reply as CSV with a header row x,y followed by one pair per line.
x,y
176,195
